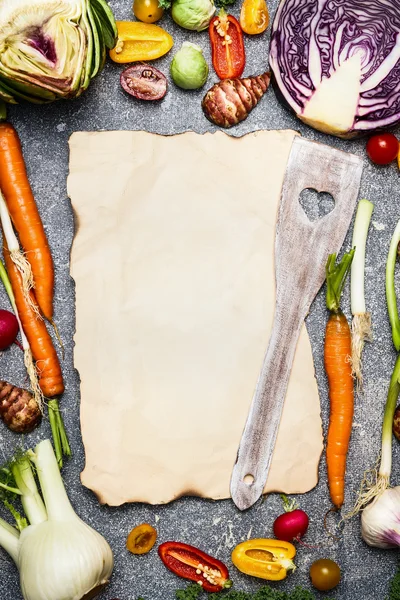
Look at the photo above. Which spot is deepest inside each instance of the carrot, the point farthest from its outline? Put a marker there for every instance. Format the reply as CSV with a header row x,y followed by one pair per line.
x,y
337,358
47,363
25,216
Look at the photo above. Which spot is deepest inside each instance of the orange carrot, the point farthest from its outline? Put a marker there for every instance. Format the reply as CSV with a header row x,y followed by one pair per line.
x,y
337,358
43,351
25,216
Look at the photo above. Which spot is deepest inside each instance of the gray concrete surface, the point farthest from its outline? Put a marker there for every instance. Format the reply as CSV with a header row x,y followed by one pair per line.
x,y
214,526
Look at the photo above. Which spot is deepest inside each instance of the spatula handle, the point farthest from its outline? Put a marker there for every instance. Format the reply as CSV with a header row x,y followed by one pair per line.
x,y
258,440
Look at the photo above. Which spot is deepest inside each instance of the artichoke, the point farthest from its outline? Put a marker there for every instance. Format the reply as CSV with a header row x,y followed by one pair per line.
x,y
51,49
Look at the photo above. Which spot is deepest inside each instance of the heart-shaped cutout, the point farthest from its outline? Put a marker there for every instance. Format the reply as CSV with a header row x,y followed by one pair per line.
x,y
316,205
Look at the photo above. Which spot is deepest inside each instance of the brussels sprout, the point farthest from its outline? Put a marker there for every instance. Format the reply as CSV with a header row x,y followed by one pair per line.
x,y
193,14
189,69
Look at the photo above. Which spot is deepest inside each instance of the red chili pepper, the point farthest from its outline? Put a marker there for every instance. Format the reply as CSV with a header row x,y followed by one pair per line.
x,y
227,46
193,564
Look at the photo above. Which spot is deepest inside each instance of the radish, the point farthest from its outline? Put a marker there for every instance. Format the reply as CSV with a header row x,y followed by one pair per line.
x,y
8,329
292,524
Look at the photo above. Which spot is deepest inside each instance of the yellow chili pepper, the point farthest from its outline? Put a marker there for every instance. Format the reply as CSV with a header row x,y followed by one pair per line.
x,y
264,558
140,41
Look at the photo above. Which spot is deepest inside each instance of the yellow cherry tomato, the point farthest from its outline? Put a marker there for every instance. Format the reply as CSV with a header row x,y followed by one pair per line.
x,y
254,16
140,41
147,11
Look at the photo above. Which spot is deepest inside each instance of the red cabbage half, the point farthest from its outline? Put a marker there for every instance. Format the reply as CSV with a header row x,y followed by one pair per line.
x,y
337,63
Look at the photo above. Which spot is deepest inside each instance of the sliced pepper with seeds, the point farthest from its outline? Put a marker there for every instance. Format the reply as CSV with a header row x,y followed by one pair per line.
x,y
227,46
195,565
264,558
140,42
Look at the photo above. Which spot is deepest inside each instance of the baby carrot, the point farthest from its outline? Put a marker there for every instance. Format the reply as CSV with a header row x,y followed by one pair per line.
x,y
25,216
337,358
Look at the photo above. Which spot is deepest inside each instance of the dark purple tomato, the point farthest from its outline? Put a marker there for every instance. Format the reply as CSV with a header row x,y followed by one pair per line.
x,y
144,82
383,148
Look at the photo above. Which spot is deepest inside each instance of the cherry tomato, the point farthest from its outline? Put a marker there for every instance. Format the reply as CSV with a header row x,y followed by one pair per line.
x,y
254,16
383,148
325,574
147,11
141,539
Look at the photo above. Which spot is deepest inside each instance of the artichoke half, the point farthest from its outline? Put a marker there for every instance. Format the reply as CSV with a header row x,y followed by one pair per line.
x,y
51,49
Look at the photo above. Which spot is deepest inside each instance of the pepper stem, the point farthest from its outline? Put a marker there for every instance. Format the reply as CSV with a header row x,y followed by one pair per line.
x,y
335,279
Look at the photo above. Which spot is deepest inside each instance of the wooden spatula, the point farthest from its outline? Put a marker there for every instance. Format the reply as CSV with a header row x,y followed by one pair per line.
x,y
301,251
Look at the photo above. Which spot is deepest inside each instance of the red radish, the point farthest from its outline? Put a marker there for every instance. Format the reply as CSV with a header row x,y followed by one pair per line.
x,y
293,524
8,329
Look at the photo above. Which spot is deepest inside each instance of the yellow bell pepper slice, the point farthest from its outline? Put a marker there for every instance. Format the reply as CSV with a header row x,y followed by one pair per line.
x,y
140,41
264,558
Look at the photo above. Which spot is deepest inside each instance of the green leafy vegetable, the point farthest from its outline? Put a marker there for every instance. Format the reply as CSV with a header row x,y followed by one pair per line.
x,y
394,586
194,15
193,592
188,68
224,3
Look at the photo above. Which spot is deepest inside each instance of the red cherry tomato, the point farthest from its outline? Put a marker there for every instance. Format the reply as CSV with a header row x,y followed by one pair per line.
x,y
383,148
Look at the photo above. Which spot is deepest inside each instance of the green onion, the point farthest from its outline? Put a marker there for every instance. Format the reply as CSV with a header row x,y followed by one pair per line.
x,y
375,487
361,323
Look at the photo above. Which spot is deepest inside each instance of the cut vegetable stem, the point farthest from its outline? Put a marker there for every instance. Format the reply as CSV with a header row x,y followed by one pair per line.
x,y
31,501
55,497
360,232
387,426
9,539
361,324
390,288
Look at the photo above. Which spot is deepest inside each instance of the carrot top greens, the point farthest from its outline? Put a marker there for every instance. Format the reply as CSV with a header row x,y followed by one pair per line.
x,y
335,279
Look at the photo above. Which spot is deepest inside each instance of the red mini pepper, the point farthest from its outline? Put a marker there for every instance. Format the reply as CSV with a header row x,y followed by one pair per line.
x,y
227,46
193,564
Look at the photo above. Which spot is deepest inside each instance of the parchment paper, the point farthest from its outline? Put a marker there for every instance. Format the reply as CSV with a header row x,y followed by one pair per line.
x,y
173,264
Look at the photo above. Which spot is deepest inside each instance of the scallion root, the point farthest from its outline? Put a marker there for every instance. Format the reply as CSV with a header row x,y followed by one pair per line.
x,y
372,486
361,332
25,270
33,378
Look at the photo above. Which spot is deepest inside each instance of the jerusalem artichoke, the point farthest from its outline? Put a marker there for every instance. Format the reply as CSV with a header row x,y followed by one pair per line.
x,y
18,408
231,100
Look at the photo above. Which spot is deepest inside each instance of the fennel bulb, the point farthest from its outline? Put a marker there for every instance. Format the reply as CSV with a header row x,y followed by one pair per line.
x,y
59,557
51,49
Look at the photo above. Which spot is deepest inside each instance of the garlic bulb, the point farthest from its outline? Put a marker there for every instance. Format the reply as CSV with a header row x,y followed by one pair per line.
x,y
58,555
380,520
